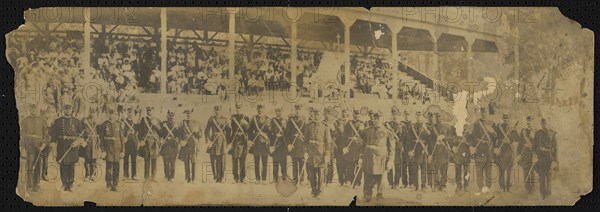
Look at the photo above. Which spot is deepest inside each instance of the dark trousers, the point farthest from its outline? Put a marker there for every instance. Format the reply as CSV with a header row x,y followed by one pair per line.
x,y
404,173
356,173
44,161
190,170
430,170
112,174
169,167
260,167
544,175
484,172
149,168
372,180
130,158
394,175
219,169
329,174
441,175
280,163
425,176
239,168
33,170
315,177
461,171
213,161
528,177
504,178
342,170
67,175
413,174
297,166
90,167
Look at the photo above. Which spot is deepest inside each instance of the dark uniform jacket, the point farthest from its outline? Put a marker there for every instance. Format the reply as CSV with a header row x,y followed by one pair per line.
x,y
352,132
462,154
168,133
64,131
148,137
378,147
441,155
416,132
239,135
260,128
339,138
34,134
216,131
396,128
278,145
294,136
189,132
544,146
130,129
525,153
112,139
483,152
505,158
92,149
318,141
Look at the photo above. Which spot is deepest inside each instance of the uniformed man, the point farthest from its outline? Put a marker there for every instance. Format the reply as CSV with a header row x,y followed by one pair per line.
x,y
416,152
148,137
34,132
169,145
524,155
503,151
376,155
67,132
544,149
342,166
131,145
483,139
113,143
296,143
259,132
329,123
351,151
440,156
277,146
240,124
430,143
318,140
461,158
215,133
405,135
91,152
189,130
49,115
395,127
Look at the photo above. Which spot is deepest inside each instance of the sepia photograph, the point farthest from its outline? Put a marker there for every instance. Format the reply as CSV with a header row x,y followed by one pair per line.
x,y
303,106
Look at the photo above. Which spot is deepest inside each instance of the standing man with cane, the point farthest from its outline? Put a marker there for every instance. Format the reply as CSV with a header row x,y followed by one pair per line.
x,y
296,144
376,156
66,131
35,134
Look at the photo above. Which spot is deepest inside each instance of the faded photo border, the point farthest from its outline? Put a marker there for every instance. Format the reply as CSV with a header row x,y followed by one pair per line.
x,y
585,13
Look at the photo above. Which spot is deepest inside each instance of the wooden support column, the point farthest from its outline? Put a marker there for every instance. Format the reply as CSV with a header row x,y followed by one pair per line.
x,y
163,50
294,58
231,45
87,43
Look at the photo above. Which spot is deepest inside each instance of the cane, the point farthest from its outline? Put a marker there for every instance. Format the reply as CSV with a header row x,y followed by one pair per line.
x,y
301,172
355,176
39,154
529,173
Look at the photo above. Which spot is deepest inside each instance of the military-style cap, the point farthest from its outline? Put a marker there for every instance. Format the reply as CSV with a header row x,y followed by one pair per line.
x,y
170,113
129,109
355,111
111,108
92,110
238,105
149,108
32,106
482,109
505,115
418,113
278,109
376,114
328,110
406,112
543,120
438,115
67,103
298,106
529,117
187,111
260,106
217,107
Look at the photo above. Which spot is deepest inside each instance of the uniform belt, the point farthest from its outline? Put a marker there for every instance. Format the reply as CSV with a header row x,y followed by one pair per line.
x,y
543,149
33,136
314,141
68,137
110,138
